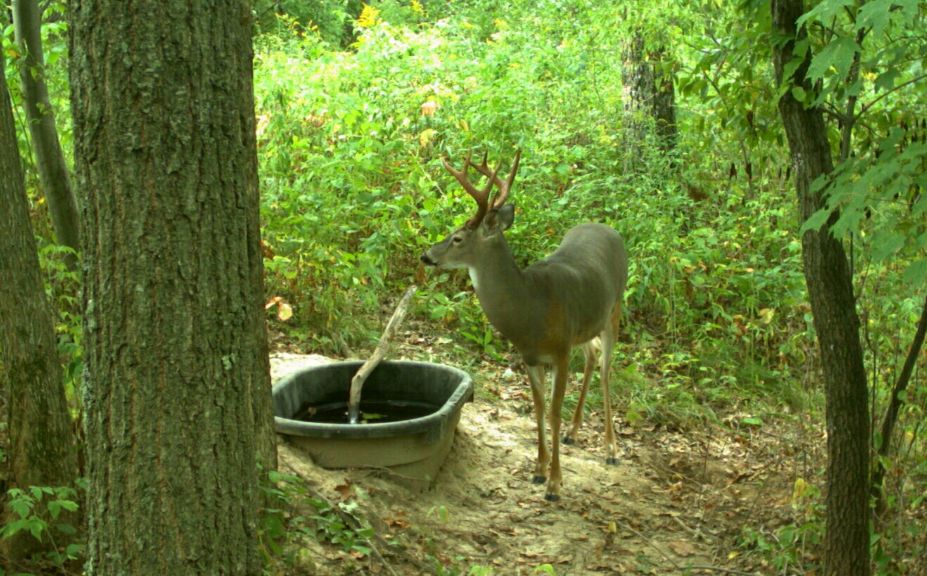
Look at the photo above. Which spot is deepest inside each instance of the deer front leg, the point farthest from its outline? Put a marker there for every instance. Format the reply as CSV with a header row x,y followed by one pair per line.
x,y
589,350
538,380
556,405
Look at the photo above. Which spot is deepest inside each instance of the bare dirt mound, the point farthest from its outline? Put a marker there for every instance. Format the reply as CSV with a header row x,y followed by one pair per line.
x,y
673,505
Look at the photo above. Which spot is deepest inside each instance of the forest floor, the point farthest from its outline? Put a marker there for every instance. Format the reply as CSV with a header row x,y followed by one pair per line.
x,y
679,502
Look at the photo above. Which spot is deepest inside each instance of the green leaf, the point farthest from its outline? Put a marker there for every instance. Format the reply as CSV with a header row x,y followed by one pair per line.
x,y
36,527
66,528
824,12
838,54
875,14
56,506
909,8
886,244
74,551
816,220
886,80
752,421
22,506
916,274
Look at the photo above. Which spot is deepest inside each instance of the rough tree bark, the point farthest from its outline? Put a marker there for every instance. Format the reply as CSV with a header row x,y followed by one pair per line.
x,y
41,450
827,274
177,388
49,159
649,94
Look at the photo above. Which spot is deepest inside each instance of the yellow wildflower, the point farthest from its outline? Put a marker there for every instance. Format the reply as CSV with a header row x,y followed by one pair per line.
x,y
368,16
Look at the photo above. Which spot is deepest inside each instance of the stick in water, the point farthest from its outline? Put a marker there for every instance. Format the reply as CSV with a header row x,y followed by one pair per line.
x,y
358,381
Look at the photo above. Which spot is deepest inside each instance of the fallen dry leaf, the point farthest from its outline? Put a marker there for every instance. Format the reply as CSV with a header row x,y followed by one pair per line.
x,y
682,548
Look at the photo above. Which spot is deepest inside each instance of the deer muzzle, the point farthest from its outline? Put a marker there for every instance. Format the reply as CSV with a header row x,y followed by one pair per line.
x,y
428,260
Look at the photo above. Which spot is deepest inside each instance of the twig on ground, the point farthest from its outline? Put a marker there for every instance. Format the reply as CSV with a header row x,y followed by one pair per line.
x,y
720,569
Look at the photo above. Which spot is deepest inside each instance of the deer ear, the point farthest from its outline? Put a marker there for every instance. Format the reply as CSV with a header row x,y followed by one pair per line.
x,y
504,216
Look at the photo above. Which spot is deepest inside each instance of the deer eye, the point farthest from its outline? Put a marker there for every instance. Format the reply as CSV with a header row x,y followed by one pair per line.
x,y
457,239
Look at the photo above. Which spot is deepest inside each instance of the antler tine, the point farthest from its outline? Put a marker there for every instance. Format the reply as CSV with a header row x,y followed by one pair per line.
x,y
500,200
503,187
480,196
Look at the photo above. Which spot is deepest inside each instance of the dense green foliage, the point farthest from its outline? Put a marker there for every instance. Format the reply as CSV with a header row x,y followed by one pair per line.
x,y
357,104
354,188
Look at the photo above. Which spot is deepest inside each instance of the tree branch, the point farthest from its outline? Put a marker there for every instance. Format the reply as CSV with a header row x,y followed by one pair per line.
x,y
916,79
357,383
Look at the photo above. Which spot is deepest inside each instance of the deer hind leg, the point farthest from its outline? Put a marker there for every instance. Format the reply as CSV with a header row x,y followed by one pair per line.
x,y
590,352
609,335
556,406
538,379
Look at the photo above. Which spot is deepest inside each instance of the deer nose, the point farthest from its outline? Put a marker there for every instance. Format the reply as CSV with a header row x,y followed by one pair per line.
x,y
426,259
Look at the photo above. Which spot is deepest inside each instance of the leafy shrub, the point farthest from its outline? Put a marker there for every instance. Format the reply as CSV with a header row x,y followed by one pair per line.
x,y
37,511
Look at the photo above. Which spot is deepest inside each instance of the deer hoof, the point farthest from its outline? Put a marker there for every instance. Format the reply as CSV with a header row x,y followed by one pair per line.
x,y
551,497
611,461
568,440
538,479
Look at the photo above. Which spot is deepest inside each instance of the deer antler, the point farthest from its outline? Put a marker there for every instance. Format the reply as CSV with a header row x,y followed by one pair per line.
x,y
504,187
481,196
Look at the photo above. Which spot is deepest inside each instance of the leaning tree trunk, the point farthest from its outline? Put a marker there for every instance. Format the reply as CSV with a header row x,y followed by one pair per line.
x,y
41,448
827,274
53,170
177,391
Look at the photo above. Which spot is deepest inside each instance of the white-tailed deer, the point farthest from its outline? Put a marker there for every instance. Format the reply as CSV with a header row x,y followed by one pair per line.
x,y
568,299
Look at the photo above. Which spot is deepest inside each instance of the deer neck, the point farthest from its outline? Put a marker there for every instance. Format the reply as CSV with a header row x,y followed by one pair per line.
x,y
502,290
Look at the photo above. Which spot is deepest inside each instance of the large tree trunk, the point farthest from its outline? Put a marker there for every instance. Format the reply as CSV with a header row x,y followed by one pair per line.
x,y
177,391
649,96
41,450
827,274
53,170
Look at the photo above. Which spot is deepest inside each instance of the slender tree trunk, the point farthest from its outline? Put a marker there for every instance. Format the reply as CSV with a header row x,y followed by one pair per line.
x,y
177,391
827,274
895,403
41,450
53,170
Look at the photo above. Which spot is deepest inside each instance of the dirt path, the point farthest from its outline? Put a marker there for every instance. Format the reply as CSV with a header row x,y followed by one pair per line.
x,y
673,505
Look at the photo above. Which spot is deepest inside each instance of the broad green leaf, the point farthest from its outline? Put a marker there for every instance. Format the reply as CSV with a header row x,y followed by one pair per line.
x,y
838,54
816,220
74,551
788,71
799,93
916,274
21,506
56,506
909,8
886,244
824,12
886,80
65,528
874,14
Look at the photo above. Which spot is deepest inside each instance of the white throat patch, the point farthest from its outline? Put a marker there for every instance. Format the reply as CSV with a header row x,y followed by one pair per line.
x,y
473,277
